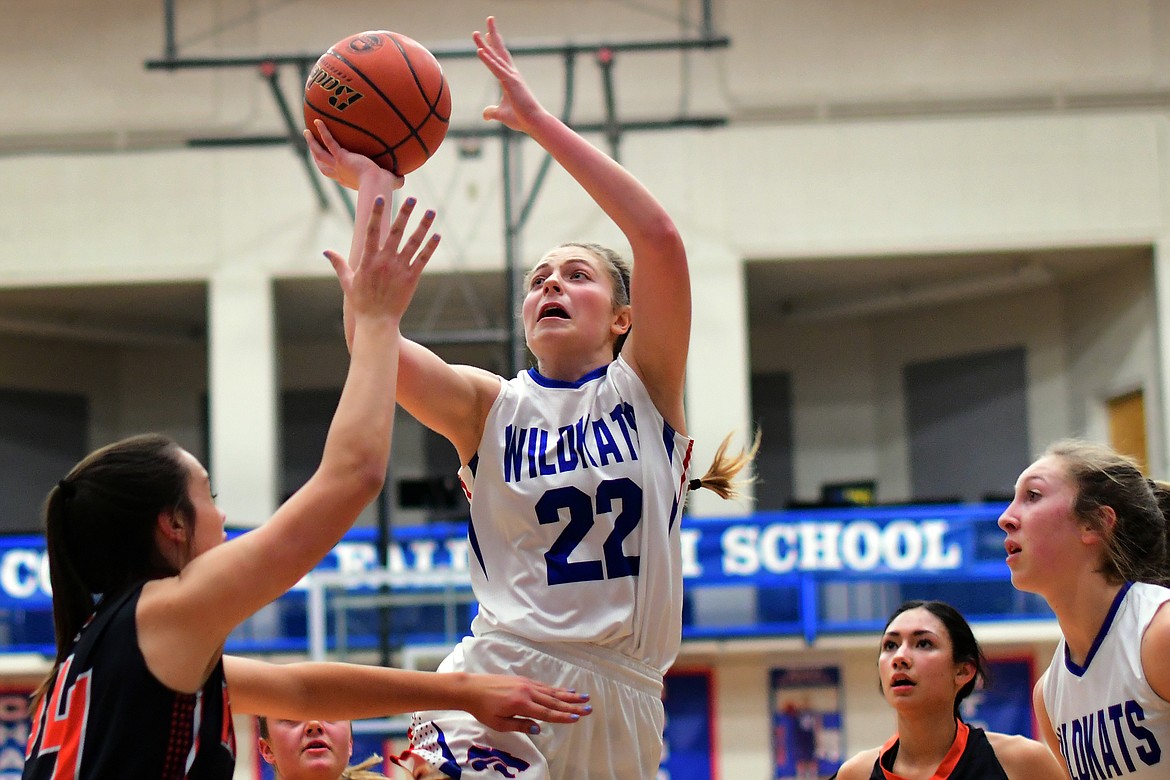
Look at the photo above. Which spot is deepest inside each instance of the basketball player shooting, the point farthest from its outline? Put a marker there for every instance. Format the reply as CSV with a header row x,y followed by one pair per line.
x,y
577,472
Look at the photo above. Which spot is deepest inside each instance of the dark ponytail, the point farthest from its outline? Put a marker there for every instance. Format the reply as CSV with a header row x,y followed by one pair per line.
x,y
99,528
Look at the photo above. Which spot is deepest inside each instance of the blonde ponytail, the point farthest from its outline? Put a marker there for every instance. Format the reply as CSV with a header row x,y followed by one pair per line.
x,y
721,474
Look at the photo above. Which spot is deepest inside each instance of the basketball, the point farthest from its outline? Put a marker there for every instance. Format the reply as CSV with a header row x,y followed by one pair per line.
x,y
383,95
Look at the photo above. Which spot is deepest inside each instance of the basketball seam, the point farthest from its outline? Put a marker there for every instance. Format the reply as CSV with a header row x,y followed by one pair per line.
x,y
405,120
386,148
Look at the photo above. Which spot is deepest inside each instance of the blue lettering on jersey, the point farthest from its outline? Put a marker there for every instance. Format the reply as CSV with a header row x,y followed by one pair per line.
x,y
606,445
532,434
567,457
513,451
623,415
582,444
546,468
1108,757
1149,751
531,453
1092,743
482,758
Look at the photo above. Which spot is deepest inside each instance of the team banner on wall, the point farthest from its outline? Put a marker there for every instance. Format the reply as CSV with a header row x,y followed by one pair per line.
x,y
793,558
14,723
765,547
688,748
1005,703
806,722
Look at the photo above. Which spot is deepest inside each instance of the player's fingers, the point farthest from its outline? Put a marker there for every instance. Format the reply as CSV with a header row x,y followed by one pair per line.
x,y
557,716
556,705
419,235
515,724
497,39
491,60
320,156
373,230
341,268
424,256
311,141
398,226
568,696
327,138
560,710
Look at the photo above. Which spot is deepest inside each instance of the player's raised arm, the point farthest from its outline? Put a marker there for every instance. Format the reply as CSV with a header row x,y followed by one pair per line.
x,y
450,400
186,618
660,292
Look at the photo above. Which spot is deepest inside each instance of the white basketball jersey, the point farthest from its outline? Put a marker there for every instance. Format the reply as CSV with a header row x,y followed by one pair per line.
x,y
576,496
1108,720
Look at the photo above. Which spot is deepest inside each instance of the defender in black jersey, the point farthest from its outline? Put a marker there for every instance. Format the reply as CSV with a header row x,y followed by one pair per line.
x,y
140,687
145,729
929,662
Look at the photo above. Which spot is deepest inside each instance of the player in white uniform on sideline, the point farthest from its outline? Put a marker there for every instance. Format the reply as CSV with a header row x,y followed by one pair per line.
x,y
1087,531
577,472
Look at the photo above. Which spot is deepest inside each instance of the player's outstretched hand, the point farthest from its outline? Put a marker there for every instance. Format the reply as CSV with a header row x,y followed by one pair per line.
x,y
518,107
382,279
510,703
346,167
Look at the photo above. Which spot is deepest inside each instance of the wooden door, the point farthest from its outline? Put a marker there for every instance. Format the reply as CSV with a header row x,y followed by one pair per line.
x,y
1127,426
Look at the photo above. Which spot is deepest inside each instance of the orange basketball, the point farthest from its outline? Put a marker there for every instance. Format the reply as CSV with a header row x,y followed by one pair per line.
x,y
383,95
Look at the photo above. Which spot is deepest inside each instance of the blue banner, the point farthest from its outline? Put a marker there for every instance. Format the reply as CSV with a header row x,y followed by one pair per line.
x,y
799,568
1005,703
688,752
806,722
14,728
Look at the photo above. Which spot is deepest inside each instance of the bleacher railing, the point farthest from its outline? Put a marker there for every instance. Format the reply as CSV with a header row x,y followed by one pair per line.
x,y
798,573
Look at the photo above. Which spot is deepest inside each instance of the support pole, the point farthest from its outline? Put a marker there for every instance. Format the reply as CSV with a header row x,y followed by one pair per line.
x,y
510,164
170,51
270,73
613,133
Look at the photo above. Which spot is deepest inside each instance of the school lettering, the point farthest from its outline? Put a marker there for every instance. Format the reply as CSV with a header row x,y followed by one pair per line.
x,y
860,545
1108,743
533,453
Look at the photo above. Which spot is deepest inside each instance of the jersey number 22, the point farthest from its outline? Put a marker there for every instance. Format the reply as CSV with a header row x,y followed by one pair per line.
x,y
582,512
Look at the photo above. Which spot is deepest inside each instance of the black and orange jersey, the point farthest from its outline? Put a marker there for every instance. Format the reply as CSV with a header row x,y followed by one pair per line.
x,y
971,757
107,716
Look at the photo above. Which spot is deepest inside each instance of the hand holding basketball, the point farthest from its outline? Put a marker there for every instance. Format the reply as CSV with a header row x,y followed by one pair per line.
x,y
345,167
382,95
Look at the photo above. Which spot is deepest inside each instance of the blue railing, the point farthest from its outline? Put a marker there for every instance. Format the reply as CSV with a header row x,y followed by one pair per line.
x,y
798,573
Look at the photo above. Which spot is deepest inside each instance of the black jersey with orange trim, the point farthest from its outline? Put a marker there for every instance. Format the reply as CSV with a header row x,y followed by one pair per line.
x,y
971,757
107,716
